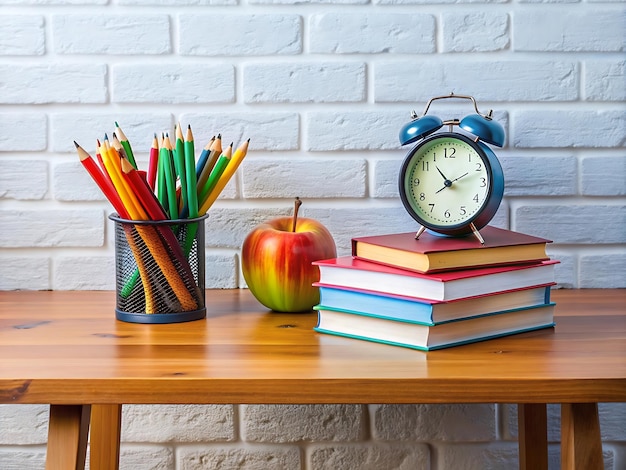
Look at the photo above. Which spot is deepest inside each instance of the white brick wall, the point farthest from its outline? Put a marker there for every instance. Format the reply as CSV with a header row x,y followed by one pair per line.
x,y
315,437
321,88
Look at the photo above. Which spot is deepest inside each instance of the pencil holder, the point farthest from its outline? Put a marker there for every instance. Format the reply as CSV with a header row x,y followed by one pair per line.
x,y
159,270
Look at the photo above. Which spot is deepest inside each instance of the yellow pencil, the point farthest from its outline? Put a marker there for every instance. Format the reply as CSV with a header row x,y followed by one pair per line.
x,y
113,166
216,174
235,161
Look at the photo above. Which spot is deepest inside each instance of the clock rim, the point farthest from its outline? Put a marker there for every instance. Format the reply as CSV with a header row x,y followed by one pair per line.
x,y
494,194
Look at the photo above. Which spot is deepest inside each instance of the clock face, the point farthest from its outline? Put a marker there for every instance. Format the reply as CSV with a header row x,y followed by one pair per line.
x,y
446,181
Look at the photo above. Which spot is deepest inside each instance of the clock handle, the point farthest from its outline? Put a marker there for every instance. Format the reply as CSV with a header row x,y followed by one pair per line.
x,y
452,95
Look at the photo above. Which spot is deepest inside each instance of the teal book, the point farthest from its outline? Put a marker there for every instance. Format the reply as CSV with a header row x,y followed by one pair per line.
x,y
415,335
428,312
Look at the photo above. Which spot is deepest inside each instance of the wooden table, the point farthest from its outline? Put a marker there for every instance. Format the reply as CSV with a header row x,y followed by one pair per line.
x,y
67,349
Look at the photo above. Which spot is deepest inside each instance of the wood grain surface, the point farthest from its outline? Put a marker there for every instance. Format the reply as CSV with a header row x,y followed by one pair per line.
x,y
67,348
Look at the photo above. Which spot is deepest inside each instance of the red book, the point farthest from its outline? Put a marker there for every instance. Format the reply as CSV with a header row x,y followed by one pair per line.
x,y
349,272
432,253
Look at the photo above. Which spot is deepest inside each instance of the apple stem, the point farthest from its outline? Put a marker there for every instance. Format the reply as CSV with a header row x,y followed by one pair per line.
x,y
297,203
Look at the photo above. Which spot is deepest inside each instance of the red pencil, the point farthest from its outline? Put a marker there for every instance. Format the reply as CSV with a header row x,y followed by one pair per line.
x,y
153,163
105,185
146,197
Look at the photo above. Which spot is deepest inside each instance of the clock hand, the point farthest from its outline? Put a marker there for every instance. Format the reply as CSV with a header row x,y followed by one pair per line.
x,y
441,173
447,183
456,179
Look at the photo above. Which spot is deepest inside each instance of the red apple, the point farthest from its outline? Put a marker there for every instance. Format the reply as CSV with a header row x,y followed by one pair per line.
x,y
276,261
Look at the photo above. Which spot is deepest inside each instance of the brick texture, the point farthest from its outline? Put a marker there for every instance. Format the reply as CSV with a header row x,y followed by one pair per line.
x,y
322,88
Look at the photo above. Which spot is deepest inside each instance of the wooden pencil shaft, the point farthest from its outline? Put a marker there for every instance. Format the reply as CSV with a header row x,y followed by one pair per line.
x,y
143,270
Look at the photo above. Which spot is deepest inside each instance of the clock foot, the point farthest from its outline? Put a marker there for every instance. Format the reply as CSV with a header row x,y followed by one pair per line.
x,y
477,234
419,232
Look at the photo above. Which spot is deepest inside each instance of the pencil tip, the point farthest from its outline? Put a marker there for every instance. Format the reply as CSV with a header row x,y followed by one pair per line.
x,y
219,136
116,124
76,144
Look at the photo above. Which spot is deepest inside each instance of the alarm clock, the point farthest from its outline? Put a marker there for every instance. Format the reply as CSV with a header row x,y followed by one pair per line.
x,y
451,182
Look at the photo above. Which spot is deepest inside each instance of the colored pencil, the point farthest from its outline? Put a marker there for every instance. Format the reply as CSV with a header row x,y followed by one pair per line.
x,y
218,170
234,163
179,164
161,186
111,162
190,170
179,150
153,162
126,144
214,153
101,180
204,155
170,181
147,198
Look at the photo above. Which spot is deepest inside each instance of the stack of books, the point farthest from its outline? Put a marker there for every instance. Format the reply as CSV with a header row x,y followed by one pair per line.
x,y
437,292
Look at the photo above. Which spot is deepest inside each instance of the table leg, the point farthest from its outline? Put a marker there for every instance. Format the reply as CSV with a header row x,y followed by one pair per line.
x,y
106,422
533,436
581,443
68,430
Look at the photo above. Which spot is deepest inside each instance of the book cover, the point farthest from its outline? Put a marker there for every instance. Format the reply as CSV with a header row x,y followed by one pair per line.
x,y
347,271
432,253
428,312
423,337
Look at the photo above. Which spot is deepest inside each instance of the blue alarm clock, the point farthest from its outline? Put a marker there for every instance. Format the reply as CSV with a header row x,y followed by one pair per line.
x,y
451,182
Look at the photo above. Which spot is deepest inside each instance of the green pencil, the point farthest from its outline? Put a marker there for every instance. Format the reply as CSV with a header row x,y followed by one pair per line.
x,y
190,170
179,164
170,180
126,144
214,177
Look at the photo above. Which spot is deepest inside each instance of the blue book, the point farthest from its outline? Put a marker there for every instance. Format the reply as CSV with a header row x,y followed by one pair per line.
x,y
414,335
425,311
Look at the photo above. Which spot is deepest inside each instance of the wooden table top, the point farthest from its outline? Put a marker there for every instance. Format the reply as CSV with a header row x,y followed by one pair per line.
x,y
67,348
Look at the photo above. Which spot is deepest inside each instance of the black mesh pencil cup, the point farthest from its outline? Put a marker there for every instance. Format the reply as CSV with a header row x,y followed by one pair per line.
x,y
159,270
